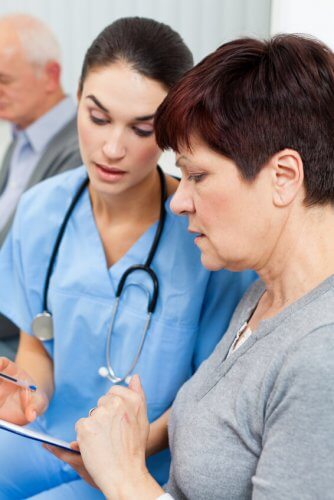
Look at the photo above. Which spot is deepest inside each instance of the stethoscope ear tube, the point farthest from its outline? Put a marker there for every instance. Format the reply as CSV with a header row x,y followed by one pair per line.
x,y
153,300
58,242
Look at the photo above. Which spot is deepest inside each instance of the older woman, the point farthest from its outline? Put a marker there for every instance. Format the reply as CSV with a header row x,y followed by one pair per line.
x,y
253,125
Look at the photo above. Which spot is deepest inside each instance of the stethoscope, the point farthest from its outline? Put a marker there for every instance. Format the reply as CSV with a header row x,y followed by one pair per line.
x,y
42,324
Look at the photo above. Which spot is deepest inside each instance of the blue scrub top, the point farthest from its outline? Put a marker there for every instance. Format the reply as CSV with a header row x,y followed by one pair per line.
x,y
193,309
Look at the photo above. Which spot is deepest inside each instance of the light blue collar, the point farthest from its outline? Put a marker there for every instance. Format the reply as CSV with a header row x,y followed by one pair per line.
x,y
40,132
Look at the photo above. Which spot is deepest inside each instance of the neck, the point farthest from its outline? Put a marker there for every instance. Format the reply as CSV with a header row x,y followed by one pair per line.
x,y
53,99
139,203
49,102
302,259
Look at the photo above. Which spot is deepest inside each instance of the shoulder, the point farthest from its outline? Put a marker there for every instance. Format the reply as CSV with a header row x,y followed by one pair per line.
x,y
62,152
314,352
39,217
49,196
68,134
305,371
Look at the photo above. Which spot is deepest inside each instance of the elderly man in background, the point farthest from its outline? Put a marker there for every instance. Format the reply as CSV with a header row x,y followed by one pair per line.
x,y
43,121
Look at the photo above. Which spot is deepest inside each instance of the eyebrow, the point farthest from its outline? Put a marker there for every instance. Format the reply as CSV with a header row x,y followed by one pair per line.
x,y
98,103
144,118
103,108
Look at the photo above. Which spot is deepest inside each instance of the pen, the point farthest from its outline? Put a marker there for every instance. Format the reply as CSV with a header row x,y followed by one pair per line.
x,y
18,382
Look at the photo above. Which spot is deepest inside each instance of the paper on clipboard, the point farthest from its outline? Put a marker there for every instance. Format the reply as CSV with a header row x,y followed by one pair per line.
x,y
37,436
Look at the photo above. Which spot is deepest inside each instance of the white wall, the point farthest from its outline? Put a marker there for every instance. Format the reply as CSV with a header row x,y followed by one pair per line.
x,y
204,24
304,16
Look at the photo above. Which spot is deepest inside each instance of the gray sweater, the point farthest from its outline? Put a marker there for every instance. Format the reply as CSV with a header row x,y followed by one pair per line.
x,y
260,424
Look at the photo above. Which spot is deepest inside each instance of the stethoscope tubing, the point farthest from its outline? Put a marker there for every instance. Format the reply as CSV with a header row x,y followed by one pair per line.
x,y
58,241
63,226
45,318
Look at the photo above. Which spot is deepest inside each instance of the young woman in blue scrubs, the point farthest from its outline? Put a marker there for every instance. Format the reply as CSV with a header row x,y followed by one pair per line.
x,y
126,75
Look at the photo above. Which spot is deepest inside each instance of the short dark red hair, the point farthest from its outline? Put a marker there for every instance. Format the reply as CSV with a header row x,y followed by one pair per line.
x,y
250,99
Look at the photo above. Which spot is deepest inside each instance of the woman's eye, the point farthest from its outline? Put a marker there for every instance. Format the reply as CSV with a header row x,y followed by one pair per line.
x,y
195,177
142,133
98,121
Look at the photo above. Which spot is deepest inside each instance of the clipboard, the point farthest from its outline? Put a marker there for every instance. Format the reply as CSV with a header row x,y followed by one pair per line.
x,y
37,436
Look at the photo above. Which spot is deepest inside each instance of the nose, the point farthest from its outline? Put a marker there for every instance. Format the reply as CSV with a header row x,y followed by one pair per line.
x,y
114,146
182,202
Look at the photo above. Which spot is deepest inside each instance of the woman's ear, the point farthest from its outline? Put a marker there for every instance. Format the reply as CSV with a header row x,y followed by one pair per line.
x,y
288,176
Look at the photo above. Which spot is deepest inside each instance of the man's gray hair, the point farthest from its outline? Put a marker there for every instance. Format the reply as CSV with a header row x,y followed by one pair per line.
x,y
38,41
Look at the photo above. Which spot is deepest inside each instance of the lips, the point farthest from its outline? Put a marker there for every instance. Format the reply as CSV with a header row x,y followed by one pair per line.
x,y
110,170
196,233
108,174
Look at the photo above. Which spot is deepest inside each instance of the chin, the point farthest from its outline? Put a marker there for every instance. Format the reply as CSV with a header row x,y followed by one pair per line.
x,y
211,263
215,263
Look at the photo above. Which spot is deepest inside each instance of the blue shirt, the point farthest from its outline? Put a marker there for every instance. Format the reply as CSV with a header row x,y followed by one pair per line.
x,y
193,309
30,145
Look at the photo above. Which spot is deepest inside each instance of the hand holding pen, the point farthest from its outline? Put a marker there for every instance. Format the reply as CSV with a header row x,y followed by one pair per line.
x,y
20,400
16,381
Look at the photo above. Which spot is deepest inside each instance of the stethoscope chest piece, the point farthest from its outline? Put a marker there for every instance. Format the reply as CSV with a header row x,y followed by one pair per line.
x,y
42,326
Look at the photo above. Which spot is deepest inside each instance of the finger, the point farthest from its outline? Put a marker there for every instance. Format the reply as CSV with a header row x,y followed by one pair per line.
x,y
103,400
118,390
135,386
27,404
126,403
30,413
57,452
126,406
80,423
109,402
114,405
66,456
129,396
4,362
74,460
7,366
75,445
33,403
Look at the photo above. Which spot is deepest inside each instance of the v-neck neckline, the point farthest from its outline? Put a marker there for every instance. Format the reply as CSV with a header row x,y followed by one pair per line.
x,y
269,324
136,254
223,362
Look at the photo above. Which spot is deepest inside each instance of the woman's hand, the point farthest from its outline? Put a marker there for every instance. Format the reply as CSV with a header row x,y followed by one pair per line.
x,y
157,441
73,459
113,441
17,404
